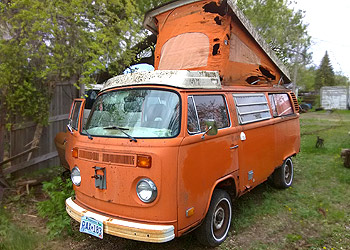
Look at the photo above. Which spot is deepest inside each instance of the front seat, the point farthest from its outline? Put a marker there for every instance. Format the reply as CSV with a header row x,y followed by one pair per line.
x,y
156,116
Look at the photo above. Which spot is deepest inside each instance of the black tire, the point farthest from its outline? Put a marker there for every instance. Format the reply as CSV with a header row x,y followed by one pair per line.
x,y
283,176
216,224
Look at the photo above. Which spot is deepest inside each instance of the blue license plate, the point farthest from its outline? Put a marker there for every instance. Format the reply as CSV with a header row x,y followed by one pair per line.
x,y
91,226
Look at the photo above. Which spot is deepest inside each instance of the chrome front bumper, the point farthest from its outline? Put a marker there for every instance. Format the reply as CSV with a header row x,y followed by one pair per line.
x,y
124,228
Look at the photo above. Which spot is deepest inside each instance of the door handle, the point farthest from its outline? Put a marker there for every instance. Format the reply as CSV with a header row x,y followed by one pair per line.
x,y
234,147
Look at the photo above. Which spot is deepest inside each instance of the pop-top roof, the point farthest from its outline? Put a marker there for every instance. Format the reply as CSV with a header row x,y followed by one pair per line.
x,y
176,78
150,23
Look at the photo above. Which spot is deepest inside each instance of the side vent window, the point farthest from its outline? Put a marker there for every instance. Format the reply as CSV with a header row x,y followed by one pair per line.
x,y
280,104
74,116
192,117
251,108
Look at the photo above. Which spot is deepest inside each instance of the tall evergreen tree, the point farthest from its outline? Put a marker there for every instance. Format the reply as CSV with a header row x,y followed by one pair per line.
x,y
324,74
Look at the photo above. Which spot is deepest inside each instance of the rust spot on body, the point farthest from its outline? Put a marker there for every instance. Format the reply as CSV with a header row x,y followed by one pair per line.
x,y
218,20
216,49
212,7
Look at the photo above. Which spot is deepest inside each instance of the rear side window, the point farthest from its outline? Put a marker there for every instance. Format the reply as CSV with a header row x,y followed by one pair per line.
x,y
251,107
206,107
280,104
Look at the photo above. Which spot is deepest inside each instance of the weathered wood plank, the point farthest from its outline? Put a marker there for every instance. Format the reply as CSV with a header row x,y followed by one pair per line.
x,y
33,124
32,162
21,134
17,156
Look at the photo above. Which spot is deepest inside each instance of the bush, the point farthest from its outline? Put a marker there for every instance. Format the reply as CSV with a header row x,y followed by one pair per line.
x,y
54,208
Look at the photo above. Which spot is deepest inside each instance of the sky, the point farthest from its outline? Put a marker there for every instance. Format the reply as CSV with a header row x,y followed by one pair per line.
x,y
328,25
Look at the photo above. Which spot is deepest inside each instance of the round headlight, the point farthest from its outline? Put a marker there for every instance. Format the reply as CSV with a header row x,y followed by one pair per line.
x,y
75,176
146,190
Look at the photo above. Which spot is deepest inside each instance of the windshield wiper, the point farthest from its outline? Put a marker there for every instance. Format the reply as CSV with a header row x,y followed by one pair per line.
x,y
88,134
122,130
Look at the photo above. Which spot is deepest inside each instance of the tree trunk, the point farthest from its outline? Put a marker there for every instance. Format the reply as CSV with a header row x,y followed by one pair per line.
x,y
345,154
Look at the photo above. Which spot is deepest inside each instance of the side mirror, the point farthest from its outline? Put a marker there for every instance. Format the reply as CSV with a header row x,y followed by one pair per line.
x,y
211,128
69,126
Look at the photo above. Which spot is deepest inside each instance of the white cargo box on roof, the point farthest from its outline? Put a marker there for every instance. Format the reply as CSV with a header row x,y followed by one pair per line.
x,y
175,78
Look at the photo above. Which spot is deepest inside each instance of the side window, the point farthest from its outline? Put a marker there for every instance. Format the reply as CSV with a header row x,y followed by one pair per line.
x,y
74,116
251,107
206,107
280,104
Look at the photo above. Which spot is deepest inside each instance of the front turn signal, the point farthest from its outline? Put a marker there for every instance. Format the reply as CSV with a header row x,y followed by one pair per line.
x,y
144,161
75,152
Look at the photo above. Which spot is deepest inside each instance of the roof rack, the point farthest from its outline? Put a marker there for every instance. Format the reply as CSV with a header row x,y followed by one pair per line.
x,y
175,78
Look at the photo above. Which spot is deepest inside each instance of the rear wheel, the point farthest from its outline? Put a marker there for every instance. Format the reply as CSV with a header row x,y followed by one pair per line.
x,y
283,176
216,224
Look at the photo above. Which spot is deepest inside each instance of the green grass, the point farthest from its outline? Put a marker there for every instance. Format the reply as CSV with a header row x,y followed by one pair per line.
x,y
14,237
315,212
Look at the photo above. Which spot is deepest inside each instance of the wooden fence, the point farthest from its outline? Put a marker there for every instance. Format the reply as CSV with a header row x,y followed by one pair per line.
x,y
19,144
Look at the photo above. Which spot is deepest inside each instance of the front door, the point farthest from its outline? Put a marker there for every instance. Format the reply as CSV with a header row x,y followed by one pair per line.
x,y
74,126
203,158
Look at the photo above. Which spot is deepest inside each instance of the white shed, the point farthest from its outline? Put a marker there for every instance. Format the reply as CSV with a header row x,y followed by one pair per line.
x,y
335,97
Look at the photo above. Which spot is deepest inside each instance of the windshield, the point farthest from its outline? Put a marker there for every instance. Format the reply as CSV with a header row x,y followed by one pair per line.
x,y
145,113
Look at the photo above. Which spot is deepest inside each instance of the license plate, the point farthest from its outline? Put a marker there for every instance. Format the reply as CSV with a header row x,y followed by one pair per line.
x,y
91,226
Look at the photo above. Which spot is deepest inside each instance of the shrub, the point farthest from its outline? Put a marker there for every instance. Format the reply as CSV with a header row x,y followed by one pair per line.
x,y
54,208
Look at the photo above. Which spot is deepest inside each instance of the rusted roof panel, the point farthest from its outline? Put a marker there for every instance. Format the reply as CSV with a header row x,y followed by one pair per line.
x,y
237,51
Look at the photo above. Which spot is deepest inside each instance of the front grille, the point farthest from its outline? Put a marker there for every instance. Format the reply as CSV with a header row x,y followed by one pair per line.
x,y
120,159
89,155
128,160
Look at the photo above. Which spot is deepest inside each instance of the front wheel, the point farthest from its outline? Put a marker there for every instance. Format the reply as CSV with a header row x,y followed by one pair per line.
x,y
283,176
216,224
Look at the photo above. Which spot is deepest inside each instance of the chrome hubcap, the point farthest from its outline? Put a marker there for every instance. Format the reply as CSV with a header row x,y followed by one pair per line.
x,y
287,172
219,218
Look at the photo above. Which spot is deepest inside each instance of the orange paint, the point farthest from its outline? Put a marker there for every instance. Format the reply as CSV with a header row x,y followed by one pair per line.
x,y
185,169
179,166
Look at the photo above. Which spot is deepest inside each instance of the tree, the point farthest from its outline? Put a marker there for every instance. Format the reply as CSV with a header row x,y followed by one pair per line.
x,y
43,42
341,80
306,78
282,28
324,74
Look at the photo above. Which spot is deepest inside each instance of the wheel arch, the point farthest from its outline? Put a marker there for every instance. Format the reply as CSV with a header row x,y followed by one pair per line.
x,y
229,183
284,159
290,156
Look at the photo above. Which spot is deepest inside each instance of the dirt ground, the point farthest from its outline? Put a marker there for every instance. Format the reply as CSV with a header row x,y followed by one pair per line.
x,y
25,213
325,115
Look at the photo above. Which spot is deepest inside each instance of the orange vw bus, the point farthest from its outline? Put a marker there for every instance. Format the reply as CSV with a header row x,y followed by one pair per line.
x,y
166,152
